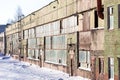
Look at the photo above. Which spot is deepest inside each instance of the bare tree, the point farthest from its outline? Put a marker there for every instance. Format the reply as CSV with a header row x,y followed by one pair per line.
x,y
10,21
18,15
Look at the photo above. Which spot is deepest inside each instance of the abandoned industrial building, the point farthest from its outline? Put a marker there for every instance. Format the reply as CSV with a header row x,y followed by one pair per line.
x,y
79,37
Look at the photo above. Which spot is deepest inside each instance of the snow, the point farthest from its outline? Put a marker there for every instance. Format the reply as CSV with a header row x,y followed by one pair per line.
x,y
11,69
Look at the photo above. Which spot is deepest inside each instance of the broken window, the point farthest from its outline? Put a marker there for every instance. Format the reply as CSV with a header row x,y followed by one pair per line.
x,y
37,54
95,19
110,18
48,42
59,42
31,48
84,59
26,34
69,24
111,68
31,33
55,49
55,27
101,65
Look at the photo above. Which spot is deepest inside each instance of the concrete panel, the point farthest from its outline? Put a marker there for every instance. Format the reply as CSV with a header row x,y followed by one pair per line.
x,y
87,5
92,19
80,28
97,39
85,40
71,8
86,21
64,12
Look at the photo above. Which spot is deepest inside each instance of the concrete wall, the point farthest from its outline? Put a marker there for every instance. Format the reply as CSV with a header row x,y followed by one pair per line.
x,y
112,39
86,36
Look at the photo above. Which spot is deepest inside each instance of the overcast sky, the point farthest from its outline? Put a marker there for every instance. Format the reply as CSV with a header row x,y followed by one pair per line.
x,y
8,7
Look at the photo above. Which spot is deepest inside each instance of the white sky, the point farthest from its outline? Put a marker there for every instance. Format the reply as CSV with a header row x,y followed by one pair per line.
x,y
8,7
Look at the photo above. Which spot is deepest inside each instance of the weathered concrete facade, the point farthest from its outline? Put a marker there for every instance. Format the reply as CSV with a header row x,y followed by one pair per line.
x,y
64,35
112,40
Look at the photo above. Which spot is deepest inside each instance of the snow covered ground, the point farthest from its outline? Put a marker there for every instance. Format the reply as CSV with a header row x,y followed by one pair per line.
x,y
11,69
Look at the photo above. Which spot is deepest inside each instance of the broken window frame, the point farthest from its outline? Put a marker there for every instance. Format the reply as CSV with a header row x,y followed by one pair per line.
x,y
111,68
95,19
55,55
110,17
84,60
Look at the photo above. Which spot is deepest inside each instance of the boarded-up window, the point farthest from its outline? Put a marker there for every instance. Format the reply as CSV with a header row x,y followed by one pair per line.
x,y
110,18
86,21
84,59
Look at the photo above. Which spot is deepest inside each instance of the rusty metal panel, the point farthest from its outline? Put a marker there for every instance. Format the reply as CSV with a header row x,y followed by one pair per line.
x,y
97,39
85,40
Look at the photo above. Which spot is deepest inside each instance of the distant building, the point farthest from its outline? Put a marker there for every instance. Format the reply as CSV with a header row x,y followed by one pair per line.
x,y
2,28
2,38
